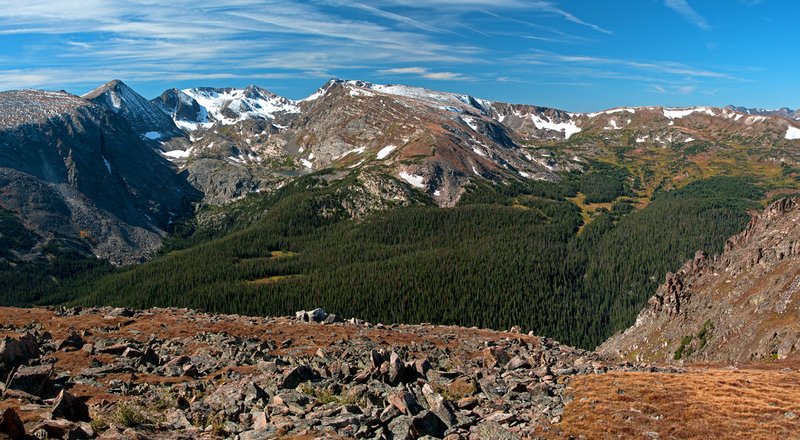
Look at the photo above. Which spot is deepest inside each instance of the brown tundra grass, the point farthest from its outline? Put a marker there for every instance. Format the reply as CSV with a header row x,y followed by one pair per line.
x,y
703,403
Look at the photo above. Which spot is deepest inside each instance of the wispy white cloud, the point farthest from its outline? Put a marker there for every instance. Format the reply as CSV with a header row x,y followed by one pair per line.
x,y
658,67
423,72
61,78
92,41
234,38
550,7
399,18
686,89
683,8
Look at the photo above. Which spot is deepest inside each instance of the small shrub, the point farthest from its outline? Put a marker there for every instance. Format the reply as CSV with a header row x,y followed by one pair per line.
x,y
683,349
131,415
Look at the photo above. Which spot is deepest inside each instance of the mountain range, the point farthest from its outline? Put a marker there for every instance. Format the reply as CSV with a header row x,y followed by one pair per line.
x,y
226,143
111,175
784,112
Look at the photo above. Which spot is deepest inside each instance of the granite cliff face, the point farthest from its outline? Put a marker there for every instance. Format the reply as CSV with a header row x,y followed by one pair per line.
x,y
739,306
76,172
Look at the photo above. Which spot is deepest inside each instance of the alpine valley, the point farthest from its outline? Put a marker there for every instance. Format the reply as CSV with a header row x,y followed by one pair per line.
x,y
156,236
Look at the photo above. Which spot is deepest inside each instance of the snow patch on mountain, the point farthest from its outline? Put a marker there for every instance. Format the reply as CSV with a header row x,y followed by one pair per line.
x,y
610,112
385,151
413,179
568,128
314,96
677,113
192,126
177,154
360,92
471,122
792,133
358,150
416,93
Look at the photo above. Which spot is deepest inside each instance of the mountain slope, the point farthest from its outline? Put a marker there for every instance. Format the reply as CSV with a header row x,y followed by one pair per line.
x,y
504,256
735,307
73,170
435,141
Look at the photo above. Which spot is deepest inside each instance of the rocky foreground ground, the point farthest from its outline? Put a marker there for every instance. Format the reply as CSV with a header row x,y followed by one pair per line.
x,y
169,373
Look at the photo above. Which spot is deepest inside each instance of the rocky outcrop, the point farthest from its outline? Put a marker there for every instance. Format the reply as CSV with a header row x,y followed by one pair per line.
x,y
733,307
169,373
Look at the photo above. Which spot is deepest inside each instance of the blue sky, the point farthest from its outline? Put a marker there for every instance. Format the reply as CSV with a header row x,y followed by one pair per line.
x,y
579,55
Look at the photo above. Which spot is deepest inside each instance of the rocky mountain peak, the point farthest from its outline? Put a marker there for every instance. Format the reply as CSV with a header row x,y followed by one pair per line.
x,y
144,117
78,173
184,110
114,90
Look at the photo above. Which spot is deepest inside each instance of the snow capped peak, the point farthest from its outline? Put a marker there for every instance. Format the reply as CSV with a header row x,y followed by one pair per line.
x,y
457,103
114,92
229,105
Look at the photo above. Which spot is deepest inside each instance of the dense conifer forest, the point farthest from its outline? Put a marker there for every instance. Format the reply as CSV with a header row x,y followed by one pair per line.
x,y
506,255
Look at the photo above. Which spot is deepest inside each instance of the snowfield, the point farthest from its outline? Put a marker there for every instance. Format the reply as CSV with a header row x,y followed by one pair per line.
x,y
568,128
250,103
413,179
385,151
684,112
792,133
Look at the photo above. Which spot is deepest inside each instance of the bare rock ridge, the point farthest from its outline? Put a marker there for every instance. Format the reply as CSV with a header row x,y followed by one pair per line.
x,y
739,306
176,373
